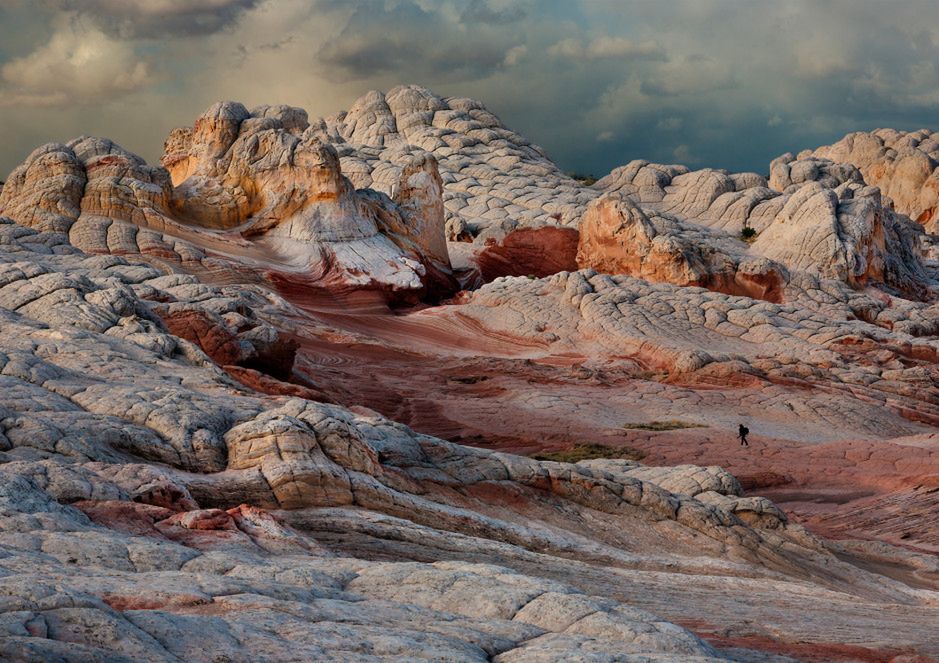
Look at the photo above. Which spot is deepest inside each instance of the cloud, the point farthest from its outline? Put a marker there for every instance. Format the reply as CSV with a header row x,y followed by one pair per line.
x,y
688,75
243,52
158,18
567,48
606,47
605,136
514,55
683,155
712,75
669,124
480,11
77,65
406,36
621,47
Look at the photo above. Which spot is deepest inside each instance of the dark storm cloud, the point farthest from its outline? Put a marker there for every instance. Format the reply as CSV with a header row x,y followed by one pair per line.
x,y
406,37
158,18
596,82
480,11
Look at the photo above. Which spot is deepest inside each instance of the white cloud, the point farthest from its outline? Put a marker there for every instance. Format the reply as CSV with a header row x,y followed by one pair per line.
x,y
688,75
514,55
620,47
76,65
567,48
605,136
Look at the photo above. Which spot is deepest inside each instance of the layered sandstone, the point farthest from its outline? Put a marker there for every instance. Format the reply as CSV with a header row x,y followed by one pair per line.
x,y
260,187
217,441
521,216
829,227
617,237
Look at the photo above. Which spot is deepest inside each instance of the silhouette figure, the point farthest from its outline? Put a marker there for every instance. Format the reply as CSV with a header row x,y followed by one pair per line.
x,y
742,433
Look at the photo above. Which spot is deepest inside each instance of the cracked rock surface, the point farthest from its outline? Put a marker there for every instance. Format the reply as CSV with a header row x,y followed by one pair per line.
x,y
219,442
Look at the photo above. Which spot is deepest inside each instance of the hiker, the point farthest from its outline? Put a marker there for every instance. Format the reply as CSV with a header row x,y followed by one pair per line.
x,y
742,433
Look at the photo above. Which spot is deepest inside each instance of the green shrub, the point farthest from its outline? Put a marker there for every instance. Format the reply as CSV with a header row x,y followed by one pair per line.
x,y
747,234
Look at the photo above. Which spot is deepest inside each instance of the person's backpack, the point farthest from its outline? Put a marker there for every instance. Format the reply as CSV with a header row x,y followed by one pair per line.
x,y
744,430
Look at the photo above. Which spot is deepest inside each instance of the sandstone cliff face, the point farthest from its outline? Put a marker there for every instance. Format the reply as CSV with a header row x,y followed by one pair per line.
x,y
419,195
787,174
105,199
494,180
45,192
269,176
617,237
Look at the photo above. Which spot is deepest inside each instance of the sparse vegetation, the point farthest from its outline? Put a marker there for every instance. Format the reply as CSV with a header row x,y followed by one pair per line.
x,y
671,424
588,180
646,375
748,234
590,451
469,379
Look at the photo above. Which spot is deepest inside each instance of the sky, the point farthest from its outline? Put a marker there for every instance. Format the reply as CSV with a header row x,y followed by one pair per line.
x,y
707,83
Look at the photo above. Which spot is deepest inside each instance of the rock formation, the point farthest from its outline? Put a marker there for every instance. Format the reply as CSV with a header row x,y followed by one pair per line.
x,y
827,226
217,441
617,237
260,186
521,216
904,165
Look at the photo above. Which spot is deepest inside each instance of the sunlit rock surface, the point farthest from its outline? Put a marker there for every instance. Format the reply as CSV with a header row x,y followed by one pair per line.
x,y
218,442
905,165
260,187
519,212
